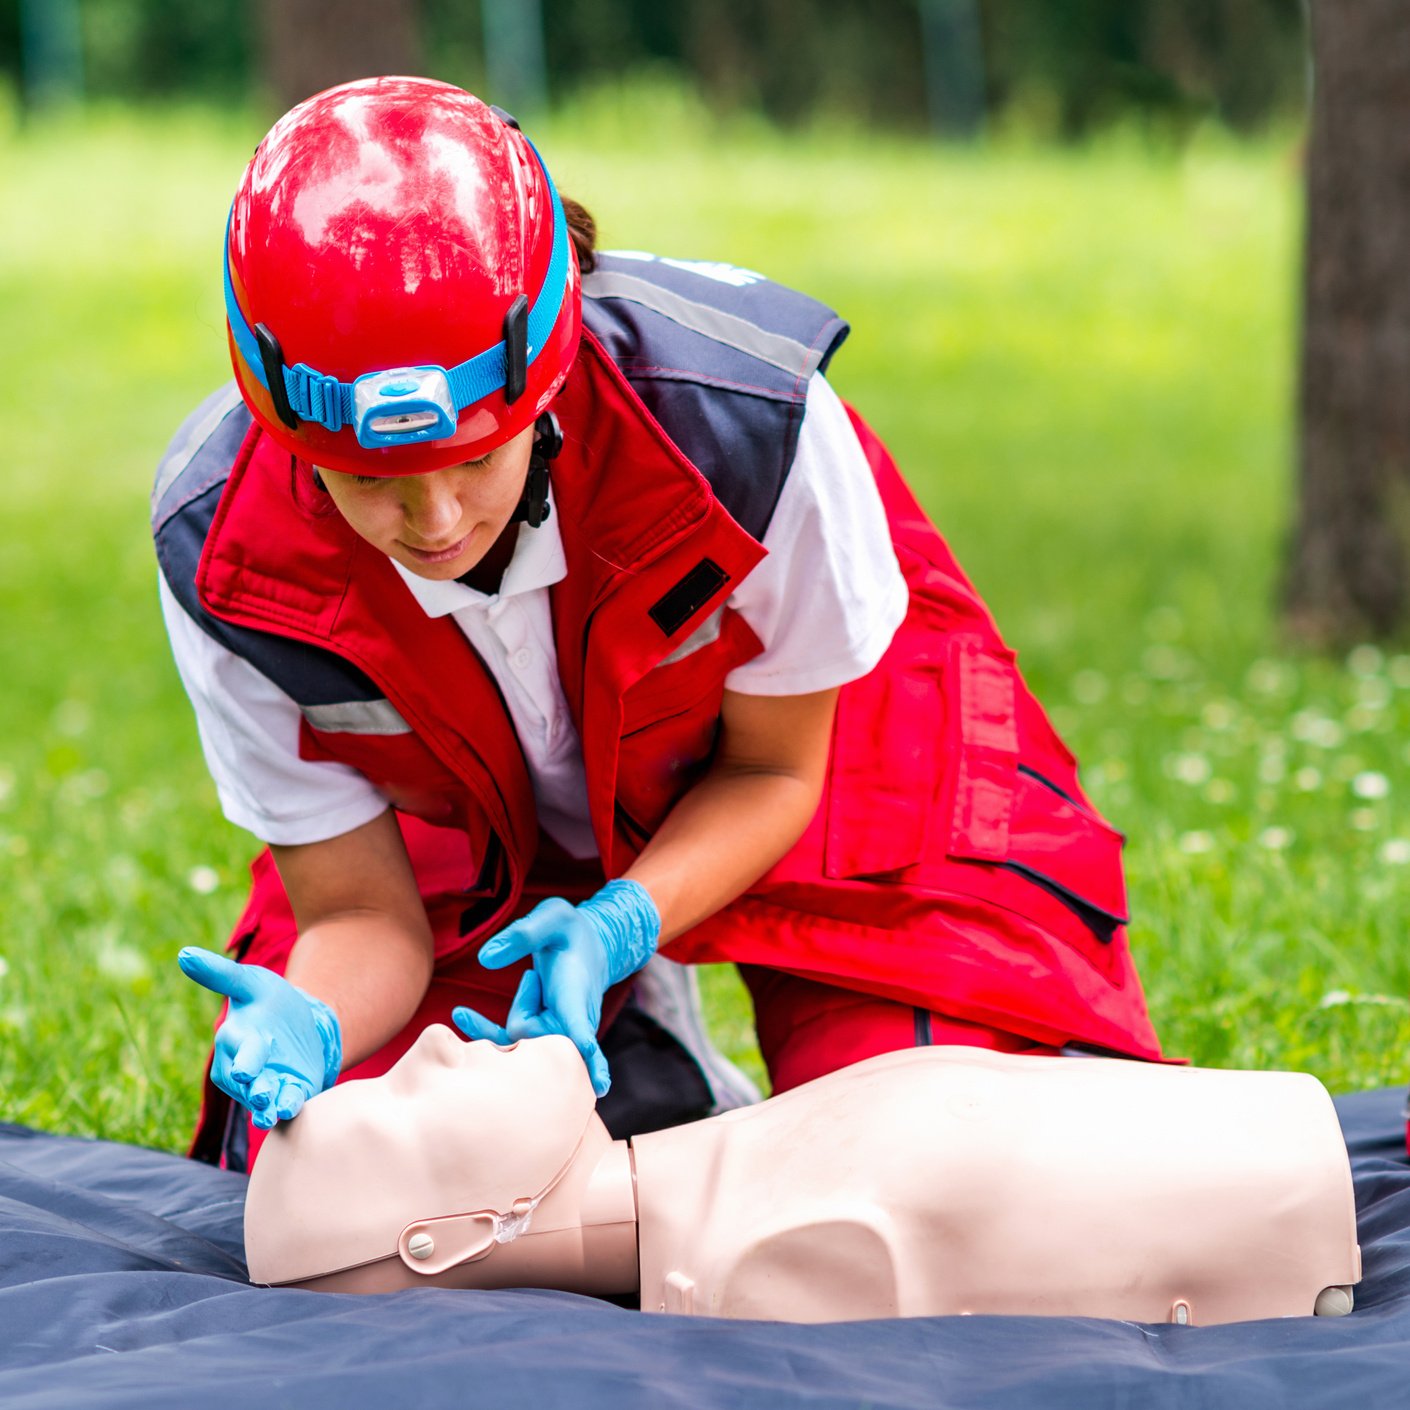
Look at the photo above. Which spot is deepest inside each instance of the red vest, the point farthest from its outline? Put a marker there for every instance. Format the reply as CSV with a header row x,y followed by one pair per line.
x,y
953,863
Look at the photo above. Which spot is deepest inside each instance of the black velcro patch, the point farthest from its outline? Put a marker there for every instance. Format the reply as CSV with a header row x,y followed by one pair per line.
x,y
688,596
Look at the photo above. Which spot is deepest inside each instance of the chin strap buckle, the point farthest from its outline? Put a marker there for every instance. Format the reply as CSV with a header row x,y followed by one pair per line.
x,y
548,441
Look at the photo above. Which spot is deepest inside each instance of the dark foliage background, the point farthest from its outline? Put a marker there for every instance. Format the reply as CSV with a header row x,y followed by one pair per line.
x,y
1063,67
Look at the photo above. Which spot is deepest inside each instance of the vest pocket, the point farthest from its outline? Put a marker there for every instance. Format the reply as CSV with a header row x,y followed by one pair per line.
x,y
926,783
884,774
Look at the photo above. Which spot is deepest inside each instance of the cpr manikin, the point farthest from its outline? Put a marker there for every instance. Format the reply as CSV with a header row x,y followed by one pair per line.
x,y
936,1180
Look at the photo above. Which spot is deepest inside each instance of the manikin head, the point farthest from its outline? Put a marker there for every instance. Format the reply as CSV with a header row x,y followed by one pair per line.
x,y
465,1132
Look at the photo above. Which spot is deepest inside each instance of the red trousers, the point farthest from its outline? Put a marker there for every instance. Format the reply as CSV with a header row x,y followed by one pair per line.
x,y
807,1029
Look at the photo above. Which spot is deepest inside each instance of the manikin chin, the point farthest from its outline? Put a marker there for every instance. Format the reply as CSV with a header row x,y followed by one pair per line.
x,y
939,1180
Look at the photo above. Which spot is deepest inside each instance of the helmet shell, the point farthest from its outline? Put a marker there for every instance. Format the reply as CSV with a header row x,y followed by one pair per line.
x,y
391,222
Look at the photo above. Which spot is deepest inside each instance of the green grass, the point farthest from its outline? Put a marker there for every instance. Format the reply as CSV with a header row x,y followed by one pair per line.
x,y
1081,359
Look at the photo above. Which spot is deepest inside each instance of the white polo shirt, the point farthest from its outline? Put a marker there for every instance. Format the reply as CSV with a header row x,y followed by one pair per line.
x,y
825,603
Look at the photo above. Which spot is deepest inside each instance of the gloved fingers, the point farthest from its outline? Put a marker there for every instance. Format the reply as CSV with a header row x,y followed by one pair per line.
x,y
531,933
597,1068
250,1057
263,1090
580,1025
293,1093
528,1000
215,972
220,1074
475,1025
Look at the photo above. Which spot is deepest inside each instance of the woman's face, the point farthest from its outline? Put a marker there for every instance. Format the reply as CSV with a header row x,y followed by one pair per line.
x,y
438,525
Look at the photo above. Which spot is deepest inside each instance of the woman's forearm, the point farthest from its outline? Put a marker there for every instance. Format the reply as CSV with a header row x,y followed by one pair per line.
x,y
365,946
719,839
371,969
753,805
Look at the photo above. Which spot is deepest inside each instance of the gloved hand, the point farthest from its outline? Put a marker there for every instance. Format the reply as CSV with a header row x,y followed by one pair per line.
x,y
277,1047
579,952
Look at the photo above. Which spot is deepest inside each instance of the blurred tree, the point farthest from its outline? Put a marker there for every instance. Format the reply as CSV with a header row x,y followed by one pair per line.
x,y
954,66
53,51
309,45
1348,572
514,61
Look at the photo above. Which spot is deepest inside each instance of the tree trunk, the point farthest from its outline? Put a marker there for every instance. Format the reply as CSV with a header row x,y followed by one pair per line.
x,y
310,45
1347,572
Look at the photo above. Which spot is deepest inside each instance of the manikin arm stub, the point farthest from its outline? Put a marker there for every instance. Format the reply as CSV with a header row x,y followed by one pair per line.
x,y
937,1180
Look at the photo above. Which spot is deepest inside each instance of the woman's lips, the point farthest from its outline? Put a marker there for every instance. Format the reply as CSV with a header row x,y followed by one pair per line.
x,y
439,555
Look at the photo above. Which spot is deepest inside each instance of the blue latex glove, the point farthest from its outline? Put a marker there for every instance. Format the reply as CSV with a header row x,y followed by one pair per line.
x,y
277,1047
579,952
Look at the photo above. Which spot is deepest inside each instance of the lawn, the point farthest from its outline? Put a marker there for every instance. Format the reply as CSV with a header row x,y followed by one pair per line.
x,y
1083,359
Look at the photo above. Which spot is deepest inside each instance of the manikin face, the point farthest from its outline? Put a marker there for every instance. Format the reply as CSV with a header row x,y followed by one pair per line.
x,y
438,525
455,1127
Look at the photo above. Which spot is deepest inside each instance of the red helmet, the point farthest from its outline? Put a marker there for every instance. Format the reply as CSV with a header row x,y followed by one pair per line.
x,y
401,289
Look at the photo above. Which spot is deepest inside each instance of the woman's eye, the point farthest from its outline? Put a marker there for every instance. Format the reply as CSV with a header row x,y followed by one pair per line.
x,y
368,479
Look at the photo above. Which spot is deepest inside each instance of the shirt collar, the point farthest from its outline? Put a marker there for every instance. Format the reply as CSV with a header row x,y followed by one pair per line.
x,y
538,562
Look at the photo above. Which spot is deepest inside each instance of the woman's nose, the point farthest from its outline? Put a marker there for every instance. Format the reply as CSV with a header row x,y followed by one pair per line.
x,y
431,511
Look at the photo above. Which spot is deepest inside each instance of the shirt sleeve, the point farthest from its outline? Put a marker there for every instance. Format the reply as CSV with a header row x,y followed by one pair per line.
x,y
249,732
829,597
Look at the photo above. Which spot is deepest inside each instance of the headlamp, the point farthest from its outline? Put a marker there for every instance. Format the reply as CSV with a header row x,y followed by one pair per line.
x,y
402,406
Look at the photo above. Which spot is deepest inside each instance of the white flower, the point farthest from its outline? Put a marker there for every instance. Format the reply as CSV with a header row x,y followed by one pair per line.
x,y
1317,730
1219,714
1374,692
1193,769
1396,852
1308,779
1275,838
1219,790
1267,677
1370,785
1339,998
4,966
1162,663
1364,660
72,718
1272,769
1196,842
121,963
203,880
1089,687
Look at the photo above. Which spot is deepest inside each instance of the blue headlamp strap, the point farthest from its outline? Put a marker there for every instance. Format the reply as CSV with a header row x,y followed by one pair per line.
x,y
313,396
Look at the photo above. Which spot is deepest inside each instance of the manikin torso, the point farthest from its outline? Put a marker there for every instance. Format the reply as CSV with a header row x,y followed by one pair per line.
x,y
937,1180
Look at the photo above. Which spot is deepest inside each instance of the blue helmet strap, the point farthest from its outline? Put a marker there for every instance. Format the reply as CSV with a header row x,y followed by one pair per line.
x,y
405,405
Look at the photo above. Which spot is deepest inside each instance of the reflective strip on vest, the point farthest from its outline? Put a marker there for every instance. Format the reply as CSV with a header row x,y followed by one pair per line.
x,y
179,457
787,354
356,717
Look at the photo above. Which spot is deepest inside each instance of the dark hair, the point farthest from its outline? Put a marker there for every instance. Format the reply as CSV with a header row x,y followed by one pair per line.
x,y
583,230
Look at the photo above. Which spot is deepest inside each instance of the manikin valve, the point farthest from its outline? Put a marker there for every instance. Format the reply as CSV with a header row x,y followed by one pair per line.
x,y
932,1181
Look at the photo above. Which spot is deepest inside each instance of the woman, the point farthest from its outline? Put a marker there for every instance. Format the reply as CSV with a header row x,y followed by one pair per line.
x,y
495,587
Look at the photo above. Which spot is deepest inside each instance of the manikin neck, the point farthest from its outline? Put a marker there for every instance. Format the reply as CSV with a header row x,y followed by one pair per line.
x,y
581,1236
